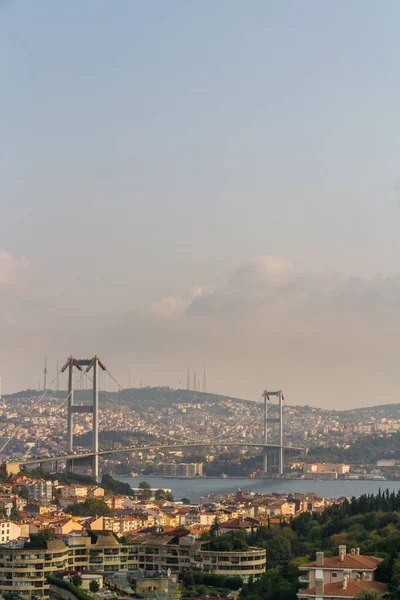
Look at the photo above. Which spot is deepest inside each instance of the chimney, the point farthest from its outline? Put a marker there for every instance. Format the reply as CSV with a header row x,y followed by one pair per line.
x,y
345,580
319,559
342,552
357,550
319,587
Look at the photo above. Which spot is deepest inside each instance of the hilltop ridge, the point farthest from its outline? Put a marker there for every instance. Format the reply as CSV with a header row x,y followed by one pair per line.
x,y
153,395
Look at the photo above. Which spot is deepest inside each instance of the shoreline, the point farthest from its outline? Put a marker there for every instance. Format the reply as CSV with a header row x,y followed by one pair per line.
x,y
233,477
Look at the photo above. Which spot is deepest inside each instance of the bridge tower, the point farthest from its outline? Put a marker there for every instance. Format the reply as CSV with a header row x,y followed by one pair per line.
x,y
90,363
279,419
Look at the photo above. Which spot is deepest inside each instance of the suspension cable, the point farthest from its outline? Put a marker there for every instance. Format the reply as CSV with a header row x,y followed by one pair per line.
x,y
59,407
170,437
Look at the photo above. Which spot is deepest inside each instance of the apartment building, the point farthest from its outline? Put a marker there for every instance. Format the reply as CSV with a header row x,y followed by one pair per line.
x,y
9,531
338,468
159,552
38,489
73,491
7,502
23,568
182,469
341,576
281,508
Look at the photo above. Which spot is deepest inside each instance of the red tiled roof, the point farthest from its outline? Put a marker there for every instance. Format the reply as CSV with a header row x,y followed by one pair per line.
x,y
235,524
358,562
352,590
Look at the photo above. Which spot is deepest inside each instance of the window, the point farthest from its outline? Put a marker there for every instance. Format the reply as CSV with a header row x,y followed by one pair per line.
x,y
334,574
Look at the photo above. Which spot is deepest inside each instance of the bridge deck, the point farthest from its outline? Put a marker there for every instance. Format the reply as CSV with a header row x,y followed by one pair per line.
x,y
34,461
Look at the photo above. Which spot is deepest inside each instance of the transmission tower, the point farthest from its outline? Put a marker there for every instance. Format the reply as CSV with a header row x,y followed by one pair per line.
x,y
188,379
45,373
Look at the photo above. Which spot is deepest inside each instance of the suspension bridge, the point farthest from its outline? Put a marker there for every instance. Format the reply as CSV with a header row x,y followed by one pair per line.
x,y
274,454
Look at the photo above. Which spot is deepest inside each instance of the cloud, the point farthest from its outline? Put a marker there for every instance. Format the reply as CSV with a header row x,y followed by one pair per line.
x,y
273,271
250,287
270,285
13,271
174,306
170,306
318,333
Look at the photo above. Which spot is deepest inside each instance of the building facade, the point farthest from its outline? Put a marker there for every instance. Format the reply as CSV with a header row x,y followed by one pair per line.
x,y
341,576
38,489
9,531
23,569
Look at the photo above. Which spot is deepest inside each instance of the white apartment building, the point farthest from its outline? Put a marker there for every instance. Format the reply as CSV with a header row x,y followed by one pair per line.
x,y
339,469
9,531
39,489
74,491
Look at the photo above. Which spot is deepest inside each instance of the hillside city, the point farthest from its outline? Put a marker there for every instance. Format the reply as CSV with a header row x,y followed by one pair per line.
x,y
61,532
364,438
199,196
113,541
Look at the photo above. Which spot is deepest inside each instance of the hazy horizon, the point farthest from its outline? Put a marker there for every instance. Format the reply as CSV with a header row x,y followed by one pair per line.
x,y
205,185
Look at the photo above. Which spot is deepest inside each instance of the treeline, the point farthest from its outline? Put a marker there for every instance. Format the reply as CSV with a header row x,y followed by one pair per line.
x,y
89,508
199,583
365,450
371,523
232,464
384,501
115,486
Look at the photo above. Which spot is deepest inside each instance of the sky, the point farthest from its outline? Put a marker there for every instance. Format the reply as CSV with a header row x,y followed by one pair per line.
x,y
207,185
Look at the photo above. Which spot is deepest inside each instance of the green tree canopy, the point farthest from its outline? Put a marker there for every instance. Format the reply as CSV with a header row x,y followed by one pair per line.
x,y
94,586
92,507
77,580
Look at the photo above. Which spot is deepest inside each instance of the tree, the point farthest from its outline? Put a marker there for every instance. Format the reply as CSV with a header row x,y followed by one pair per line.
x,y
118,487
185,500
76,580
214,529
23,493
90,508
160,494
94,586
15,514
188,579
279,551
145,490
369,595
143,485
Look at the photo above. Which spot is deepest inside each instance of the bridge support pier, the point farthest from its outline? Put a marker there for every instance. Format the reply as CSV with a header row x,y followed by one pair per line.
x,y
280,457
95,428
265,462
13,468
91,408
265,456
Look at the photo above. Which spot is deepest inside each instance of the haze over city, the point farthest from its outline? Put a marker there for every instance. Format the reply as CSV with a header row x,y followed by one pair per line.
x,y
209,184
